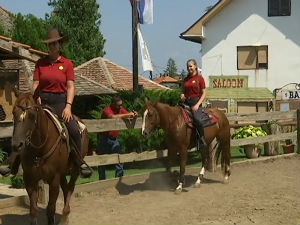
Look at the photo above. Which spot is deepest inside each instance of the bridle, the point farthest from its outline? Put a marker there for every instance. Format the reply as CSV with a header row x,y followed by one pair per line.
x,y
28,137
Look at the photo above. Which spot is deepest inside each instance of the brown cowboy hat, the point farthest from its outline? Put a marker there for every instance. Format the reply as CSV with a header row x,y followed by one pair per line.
x,y
53,35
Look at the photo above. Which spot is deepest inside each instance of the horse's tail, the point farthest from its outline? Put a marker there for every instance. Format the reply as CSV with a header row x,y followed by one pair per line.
x,y
223,147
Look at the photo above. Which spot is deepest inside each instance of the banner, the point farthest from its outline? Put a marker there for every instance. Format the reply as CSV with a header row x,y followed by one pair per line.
x,y
145,8
146,60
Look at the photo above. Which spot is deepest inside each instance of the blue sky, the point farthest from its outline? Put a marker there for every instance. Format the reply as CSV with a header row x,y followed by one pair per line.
x,y
171,17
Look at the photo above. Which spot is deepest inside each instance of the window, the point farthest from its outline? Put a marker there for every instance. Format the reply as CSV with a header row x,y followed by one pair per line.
x,y
252,57
279,8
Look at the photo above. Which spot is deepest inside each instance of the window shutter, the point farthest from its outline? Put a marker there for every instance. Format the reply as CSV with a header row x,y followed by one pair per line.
x,y
285,7
247,57
262,54
273,7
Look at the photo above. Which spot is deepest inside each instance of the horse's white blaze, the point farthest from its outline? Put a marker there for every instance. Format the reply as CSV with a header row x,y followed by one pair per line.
x,y
22,116
144,120
202,171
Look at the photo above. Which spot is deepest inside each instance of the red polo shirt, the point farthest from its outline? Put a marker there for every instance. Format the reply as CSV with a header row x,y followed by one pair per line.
x,y
193,86
53,77
105,115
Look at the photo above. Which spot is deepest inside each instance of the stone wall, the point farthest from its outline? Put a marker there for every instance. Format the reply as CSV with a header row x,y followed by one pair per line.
x,y
6,19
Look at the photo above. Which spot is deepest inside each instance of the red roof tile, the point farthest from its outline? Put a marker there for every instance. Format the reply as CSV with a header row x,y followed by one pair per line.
x,y
165,79
112,75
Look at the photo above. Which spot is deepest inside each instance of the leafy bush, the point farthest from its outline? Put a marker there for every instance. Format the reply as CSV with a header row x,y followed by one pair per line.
x,y
248,131
17,181
132,140
3,155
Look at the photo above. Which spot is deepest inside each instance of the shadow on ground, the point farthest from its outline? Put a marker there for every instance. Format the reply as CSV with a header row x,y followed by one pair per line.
x,y
14,219
160,181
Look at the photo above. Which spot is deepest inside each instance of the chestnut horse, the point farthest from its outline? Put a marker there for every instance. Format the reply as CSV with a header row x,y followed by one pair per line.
x,y
180,137
44,156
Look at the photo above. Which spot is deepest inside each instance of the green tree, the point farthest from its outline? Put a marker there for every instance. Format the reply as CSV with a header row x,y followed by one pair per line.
x,y
79,20
30,30
171,69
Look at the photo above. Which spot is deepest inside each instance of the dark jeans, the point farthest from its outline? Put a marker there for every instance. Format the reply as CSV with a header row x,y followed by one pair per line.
x,y
197,115
57,101
107,145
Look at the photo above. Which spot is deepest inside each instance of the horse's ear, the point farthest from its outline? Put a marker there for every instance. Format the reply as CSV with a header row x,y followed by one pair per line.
x,y
36,93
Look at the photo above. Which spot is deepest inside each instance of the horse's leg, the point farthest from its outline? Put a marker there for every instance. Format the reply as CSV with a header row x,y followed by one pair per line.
x,y
171,159
53,194
225,159
32,190
66,209
68,191
183,160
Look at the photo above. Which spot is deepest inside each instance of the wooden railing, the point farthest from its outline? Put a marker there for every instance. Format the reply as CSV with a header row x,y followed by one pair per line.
x,y
95,126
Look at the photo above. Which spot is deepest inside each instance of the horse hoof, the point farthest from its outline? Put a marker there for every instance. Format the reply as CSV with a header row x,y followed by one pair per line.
x,y
197,185
226,181
178,191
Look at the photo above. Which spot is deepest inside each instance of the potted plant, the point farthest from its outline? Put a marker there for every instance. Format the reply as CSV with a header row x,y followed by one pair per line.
x,y
251,150
288,147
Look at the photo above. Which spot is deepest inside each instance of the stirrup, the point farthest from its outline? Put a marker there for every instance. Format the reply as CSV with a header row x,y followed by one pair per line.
x,y
85,172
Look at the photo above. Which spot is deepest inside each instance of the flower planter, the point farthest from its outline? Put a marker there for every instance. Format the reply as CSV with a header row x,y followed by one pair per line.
x,y
252,151
288,148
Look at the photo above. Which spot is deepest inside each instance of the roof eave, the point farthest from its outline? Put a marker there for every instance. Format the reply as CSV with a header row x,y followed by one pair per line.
x,y
193,38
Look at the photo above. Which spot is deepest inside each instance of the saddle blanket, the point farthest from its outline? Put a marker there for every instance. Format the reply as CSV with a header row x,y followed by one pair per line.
x,y
208,118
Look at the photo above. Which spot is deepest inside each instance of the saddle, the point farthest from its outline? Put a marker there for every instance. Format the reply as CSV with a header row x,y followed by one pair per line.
x,y
61,126
208,118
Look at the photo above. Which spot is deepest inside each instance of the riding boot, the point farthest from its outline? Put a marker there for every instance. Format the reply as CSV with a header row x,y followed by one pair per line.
x,y
13,165
5,171
201,143
85,170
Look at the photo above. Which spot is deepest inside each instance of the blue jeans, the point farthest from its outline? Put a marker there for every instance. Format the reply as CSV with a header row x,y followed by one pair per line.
x,y
107,145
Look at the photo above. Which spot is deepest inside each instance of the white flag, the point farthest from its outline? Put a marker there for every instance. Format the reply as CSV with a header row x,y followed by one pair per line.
x,y
146,60
145,8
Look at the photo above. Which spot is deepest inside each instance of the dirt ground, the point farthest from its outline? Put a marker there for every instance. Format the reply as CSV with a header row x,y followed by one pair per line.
x,y
261,192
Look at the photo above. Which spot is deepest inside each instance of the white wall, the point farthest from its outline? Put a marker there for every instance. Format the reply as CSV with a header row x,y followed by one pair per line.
x,y
246,22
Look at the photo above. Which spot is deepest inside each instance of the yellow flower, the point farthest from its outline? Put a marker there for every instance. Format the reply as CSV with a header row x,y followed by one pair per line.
x,y
61,67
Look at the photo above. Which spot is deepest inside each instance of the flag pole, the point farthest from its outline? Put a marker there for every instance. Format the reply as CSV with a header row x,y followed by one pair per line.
x,y
134,45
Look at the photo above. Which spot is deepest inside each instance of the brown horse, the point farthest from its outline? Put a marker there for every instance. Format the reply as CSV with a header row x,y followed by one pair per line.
x,y
44,156
180,137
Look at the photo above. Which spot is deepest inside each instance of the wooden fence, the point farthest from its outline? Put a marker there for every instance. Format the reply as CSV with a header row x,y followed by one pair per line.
x,y
235,120
95,126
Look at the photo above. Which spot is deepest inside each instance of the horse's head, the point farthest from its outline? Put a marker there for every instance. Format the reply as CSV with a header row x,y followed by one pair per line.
x,y
151,119
25,113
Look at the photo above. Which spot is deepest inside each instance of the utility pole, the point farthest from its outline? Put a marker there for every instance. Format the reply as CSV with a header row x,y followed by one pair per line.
x,y
135,45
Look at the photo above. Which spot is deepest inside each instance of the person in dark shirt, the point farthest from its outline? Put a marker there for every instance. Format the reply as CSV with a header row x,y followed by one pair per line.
x,y
108,142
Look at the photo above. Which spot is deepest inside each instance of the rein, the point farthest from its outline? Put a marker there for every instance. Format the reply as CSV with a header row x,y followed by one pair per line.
x,y
38,160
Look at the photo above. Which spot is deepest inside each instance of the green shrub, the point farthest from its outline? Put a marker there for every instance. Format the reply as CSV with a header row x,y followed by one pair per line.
x,y
132,140
3,155
17,181
249,131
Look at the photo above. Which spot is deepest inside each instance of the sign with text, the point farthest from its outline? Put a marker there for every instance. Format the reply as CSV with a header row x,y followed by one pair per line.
x,y
228,81
293,94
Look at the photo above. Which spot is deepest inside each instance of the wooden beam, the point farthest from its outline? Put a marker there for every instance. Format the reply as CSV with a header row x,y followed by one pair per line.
x,y
262,116
17,51
113,124
258,140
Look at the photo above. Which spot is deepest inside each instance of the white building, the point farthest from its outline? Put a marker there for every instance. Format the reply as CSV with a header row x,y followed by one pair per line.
x,y
256,38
